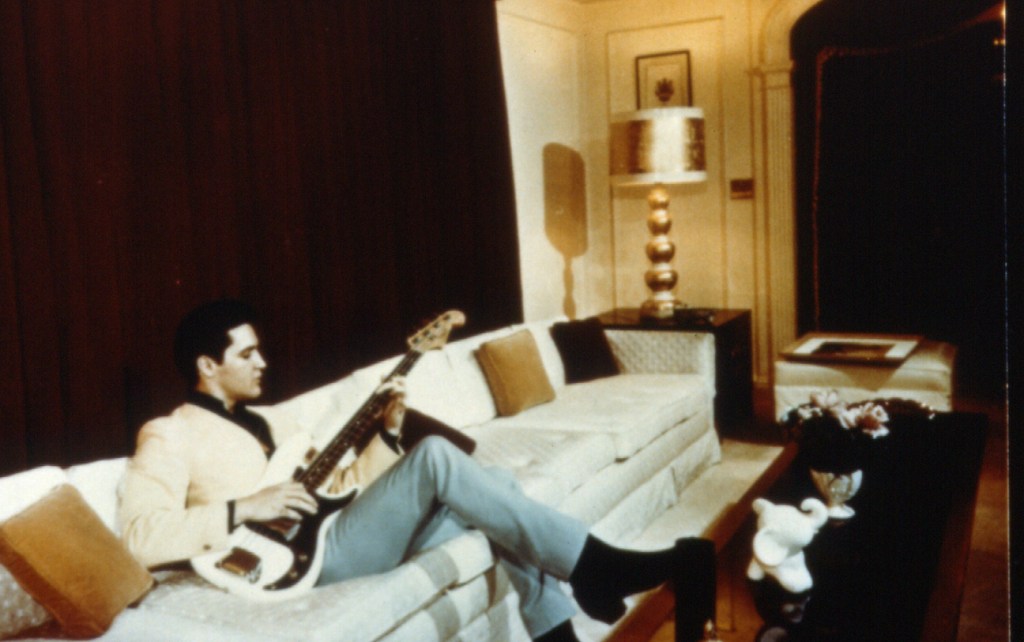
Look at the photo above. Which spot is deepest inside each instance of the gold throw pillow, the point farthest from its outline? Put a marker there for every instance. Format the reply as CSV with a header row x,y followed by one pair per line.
x,y
515,373
63,555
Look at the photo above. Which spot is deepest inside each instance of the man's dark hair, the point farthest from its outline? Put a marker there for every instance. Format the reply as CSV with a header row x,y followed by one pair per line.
x,y
204,331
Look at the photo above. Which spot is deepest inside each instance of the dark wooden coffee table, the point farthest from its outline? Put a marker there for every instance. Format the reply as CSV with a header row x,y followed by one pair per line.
x,y
895,570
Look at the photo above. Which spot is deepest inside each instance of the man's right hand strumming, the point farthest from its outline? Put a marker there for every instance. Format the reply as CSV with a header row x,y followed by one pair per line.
x,y
287,500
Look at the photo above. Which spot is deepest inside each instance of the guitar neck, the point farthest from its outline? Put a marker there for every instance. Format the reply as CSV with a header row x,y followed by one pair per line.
x,y
353,431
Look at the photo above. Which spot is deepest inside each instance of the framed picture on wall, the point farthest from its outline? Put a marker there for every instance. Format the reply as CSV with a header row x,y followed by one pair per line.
x,y
663,80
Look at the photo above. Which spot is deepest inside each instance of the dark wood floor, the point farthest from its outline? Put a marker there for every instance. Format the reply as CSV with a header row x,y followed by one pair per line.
x,y
984,615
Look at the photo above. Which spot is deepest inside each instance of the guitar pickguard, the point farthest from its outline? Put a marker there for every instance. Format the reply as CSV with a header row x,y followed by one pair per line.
x,y
274,560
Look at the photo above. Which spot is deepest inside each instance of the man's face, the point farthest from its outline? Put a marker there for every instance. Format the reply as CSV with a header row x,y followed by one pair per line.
x,y
239,375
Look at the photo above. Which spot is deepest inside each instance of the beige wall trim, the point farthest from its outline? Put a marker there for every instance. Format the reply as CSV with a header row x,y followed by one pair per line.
x,y
775,327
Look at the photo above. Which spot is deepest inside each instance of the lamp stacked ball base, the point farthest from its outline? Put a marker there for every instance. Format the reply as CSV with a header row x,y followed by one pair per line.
x,y
660,277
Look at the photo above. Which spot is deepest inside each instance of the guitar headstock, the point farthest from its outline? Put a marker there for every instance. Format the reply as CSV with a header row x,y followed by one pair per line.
x,y
435,334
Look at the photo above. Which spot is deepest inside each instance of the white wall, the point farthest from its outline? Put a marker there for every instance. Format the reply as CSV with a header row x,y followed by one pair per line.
x,y
543,67
568,66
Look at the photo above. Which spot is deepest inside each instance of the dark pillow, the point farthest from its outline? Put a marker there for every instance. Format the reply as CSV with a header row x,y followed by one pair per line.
x,y
584,349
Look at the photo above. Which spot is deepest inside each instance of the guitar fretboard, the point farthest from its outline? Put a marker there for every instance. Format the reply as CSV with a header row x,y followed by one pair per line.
x,y
349,435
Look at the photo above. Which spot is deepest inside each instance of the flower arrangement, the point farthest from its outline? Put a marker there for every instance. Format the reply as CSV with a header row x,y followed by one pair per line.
x,y
833,435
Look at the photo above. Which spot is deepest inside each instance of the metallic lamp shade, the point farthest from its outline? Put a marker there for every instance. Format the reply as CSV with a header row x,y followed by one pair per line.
x,y
661,145
657,147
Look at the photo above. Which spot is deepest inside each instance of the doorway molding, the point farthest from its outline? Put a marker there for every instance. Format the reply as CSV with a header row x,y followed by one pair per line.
x,y
775,157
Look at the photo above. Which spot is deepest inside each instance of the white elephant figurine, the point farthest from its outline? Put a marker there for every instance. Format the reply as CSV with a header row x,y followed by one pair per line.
x,y
782,533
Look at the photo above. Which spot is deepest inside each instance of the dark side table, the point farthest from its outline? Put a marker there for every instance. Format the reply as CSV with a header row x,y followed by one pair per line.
x,y
734,401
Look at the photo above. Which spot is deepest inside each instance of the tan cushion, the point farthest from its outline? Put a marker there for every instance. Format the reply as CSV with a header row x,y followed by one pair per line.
x,y
63,556
515,373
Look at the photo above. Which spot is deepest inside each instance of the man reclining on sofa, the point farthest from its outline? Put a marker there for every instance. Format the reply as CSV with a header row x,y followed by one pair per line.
x,y
194,480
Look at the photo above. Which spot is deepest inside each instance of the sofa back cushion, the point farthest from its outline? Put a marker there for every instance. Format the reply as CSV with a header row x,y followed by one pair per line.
x,y
549,354
21,490
515,372
431,386
475,404
447,384
98,482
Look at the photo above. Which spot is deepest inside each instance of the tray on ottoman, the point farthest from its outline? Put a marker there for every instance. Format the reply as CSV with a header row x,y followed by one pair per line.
x,y
926,375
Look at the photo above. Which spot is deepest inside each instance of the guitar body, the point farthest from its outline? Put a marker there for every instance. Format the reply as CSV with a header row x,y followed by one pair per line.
x,y
273,560
277,560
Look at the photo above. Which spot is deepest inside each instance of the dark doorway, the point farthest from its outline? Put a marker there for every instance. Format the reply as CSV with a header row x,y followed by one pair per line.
x,y
900,174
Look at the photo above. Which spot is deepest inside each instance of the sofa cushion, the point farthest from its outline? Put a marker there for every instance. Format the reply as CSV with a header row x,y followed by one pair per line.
x,y
70,562
98,483
501,623
655,493
617,484
584,349
515,373
361,609
549,464
445,617
633,409
18,611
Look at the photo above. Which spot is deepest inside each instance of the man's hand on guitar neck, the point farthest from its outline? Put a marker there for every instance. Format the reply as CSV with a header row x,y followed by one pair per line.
x,y
394,411
287,500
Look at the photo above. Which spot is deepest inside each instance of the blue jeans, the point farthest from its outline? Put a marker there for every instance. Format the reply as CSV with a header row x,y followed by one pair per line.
x,y
437,492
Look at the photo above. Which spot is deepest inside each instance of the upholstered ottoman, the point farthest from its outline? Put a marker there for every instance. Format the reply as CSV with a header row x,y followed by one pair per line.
x,y
926,375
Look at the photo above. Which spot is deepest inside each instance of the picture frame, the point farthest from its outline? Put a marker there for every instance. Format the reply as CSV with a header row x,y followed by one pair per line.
x,y
663,80
881,349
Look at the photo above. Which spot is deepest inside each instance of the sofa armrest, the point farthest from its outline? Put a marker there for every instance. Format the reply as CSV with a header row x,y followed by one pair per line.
x,y
658,351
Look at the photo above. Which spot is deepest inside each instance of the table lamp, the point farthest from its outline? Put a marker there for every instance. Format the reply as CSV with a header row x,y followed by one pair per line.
x,y
656,147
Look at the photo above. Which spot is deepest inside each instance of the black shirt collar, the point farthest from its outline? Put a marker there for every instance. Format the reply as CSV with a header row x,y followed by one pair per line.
x,y
241,416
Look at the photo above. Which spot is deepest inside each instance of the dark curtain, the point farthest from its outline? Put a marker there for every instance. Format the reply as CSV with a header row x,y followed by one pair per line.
x,y
342,165
901,173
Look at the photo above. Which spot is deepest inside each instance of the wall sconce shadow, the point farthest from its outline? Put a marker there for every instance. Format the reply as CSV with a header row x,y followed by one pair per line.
x,y
565,211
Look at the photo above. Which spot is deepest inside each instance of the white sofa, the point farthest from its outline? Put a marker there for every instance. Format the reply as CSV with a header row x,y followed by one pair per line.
x,y
615,452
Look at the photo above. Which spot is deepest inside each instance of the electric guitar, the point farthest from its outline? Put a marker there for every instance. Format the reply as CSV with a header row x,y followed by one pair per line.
x,y
282,558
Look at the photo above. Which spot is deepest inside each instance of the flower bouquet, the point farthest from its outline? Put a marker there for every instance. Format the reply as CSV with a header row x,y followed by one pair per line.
x,y
833,435
836,439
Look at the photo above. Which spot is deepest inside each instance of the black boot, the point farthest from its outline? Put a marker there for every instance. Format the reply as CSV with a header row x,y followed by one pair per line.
x,y
561,633
605,574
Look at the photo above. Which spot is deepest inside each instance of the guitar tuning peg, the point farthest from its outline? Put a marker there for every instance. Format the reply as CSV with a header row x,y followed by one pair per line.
x,y
431,322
